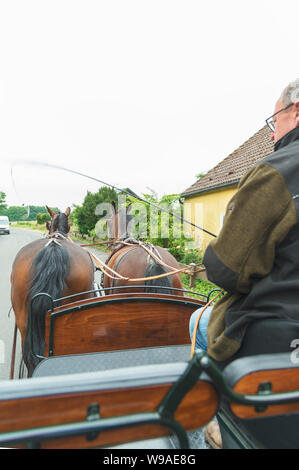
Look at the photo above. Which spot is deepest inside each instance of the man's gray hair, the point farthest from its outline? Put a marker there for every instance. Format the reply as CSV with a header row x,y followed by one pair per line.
x,y
291,93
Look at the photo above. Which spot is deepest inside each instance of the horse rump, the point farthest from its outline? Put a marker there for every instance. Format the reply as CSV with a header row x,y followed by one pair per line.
x,y
154,285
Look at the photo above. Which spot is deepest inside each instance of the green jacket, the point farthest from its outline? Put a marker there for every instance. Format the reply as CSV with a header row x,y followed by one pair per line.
x,y
255,258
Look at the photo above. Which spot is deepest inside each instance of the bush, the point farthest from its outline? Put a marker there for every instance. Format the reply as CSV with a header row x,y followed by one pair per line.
x,y
182,254
42,218
201,286
192,256
85,216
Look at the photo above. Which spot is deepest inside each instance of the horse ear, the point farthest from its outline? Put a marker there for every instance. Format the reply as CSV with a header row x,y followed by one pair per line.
x,y
114,206
50,211
68,211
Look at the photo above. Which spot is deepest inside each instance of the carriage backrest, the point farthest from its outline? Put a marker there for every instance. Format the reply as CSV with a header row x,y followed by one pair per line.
x,y
119,322
263,374
272,338
265,425
106,408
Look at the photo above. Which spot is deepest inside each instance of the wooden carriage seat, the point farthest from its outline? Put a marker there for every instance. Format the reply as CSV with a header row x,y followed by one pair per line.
x,y
270,337
272,427
105,408
122,322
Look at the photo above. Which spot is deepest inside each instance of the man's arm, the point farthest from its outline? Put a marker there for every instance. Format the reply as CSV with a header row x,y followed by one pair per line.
x,y
257,219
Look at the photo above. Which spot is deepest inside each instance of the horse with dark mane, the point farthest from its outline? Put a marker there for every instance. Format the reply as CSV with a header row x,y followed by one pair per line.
x,y
130,260
52,265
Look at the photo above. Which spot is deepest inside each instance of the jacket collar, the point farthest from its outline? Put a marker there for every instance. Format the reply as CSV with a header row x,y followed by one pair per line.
x,y
287,139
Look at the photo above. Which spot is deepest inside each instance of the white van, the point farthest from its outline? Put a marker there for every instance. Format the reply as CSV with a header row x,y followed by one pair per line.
x,y
4,224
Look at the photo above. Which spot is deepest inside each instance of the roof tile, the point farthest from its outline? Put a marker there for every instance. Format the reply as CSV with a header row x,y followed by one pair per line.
x,y
232,168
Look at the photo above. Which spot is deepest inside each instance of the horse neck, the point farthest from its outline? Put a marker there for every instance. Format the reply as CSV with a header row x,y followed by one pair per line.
x,y
121,226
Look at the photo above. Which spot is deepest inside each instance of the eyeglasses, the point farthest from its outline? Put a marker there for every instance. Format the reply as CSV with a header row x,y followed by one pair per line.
x,y
270,121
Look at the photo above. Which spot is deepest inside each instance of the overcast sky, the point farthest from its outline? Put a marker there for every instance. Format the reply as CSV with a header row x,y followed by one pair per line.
x,y
140,94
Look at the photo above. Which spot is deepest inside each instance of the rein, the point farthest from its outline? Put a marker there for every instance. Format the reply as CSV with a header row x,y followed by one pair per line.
x,y
198,320
54,237
103,267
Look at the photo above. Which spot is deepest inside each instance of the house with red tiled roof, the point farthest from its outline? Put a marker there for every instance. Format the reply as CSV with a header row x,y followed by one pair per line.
x,y
205,201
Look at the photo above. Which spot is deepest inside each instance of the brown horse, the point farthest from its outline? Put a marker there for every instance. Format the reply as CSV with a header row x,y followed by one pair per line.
x,y
52,265
135,262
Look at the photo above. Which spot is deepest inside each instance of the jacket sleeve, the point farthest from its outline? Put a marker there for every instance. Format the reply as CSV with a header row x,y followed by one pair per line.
x,y
257,219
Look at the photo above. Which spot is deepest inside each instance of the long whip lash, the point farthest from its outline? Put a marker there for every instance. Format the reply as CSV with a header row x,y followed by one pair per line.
x,y
127,191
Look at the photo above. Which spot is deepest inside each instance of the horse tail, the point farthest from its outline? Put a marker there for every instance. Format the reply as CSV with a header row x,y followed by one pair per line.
x,y
155,269
49,269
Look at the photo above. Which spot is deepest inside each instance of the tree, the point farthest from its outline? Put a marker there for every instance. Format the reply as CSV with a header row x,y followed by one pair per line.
x,y
164,229
85,216
42,218
16,213
34,210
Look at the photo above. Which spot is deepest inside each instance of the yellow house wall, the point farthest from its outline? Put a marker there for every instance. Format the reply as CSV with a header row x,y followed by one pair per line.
x,y
206,210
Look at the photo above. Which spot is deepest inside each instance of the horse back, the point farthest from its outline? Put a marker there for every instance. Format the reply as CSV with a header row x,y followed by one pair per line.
x,y
22,265
132,261
79,279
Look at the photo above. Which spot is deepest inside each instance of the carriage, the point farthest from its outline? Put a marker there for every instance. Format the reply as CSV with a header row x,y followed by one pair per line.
x,y
116,369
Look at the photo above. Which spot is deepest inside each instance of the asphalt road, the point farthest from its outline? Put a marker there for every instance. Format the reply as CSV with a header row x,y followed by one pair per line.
x,y
9,247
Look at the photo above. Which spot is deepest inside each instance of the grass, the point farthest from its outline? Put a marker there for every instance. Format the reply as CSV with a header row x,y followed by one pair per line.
x,y
74,234
200,286
30,224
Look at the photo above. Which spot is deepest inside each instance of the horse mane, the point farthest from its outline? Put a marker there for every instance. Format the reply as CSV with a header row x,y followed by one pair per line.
x,y
126,219
49,270
119,246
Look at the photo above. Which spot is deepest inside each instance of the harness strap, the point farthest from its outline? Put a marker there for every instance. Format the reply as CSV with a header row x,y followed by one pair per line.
x,y
115,275
54,237
58,235
53,240
101,265
141,244
150,252
120,277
